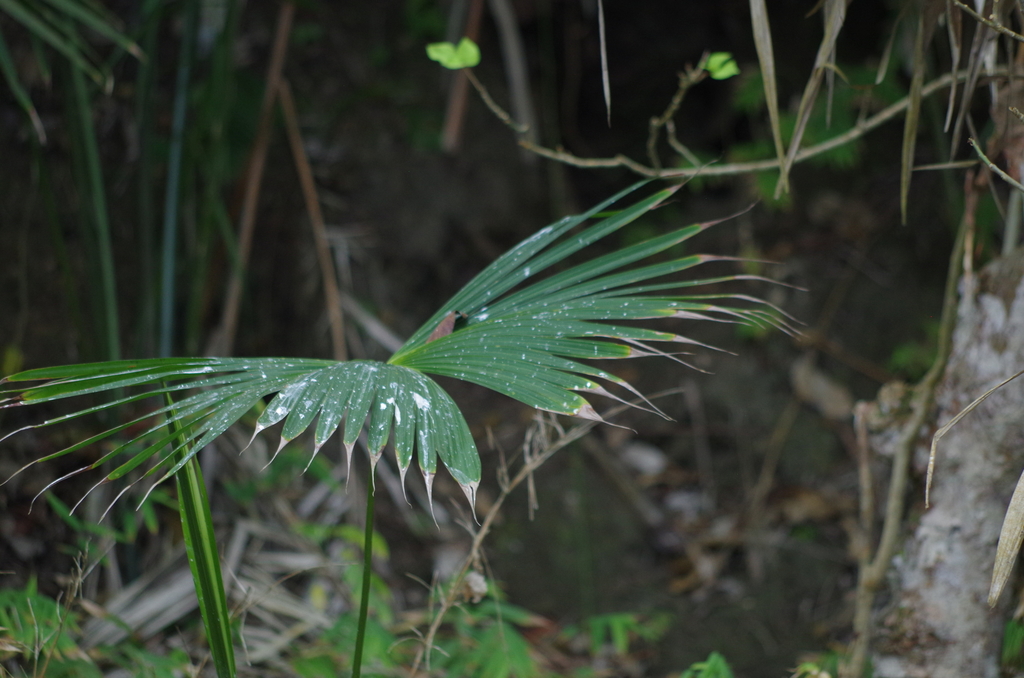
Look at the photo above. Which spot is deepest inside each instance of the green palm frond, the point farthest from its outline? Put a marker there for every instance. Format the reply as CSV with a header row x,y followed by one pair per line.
x,y
525,341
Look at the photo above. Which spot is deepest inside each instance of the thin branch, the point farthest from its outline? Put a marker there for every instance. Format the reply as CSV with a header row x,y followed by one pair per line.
x,y
994,167
730,169
492,104
691,77
994,25
332,299
516,68
223,343
451,135
525,472
576,161
677,146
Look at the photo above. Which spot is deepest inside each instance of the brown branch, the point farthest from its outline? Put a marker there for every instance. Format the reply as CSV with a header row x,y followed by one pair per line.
x,y
677,146
497,110
576,161
691,77
332,299
994,25
224,341
455,113
994,167
731,169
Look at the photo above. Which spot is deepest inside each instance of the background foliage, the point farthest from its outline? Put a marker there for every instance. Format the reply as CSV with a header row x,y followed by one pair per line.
x,y
132,144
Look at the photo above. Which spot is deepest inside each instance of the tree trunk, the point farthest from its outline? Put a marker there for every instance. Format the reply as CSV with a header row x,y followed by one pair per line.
x,y
936,621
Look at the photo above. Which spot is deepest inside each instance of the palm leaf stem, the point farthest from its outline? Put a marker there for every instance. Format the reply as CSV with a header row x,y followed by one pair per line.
x,y
364,597
203,558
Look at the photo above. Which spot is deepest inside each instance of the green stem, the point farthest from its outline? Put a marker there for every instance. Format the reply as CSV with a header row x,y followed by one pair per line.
x,y
171,198
364,603
98,201
147,219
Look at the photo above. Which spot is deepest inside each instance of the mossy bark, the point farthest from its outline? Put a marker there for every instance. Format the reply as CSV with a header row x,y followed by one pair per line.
x,y
937,621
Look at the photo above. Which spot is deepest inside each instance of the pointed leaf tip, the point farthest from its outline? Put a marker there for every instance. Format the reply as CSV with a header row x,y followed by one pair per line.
x,y
470,491
348,462
588,412
428,480
1011,535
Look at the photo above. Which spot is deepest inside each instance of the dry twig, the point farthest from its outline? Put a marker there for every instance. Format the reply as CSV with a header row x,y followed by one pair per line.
x,y
732,169
332,299
224,342
536,460
691,77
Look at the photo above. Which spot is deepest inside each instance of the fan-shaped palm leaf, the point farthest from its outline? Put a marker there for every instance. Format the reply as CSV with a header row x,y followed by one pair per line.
x,y
526,343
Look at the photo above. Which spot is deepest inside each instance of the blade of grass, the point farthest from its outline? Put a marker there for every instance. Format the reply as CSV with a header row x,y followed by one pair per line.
x,y
913,115
42,63
203,559
171,196
48,34
20,95
254,175
147,219
102,25
98,200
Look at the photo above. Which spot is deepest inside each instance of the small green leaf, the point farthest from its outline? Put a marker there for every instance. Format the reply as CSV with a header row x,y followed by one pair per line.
x,y
721,66
464,55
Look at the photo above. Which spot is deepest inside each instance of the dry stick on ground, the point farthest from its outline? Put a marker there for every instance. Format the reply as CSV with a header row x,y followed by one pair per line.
x,y
452,594
224,341
872,572
525,472
332,299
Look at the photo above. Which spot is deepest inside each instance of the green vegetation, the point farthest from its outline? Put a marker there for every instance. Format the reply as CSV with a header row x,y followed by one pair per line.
x,y
525,342
528,326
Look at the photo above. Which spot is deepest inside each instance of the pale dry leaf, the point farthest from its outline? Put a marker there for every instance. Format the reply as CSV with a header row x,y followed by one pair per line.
x,y
605,82
954,28
982,53
766,57
952,422
1010,537
913,116
834,15
927,19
